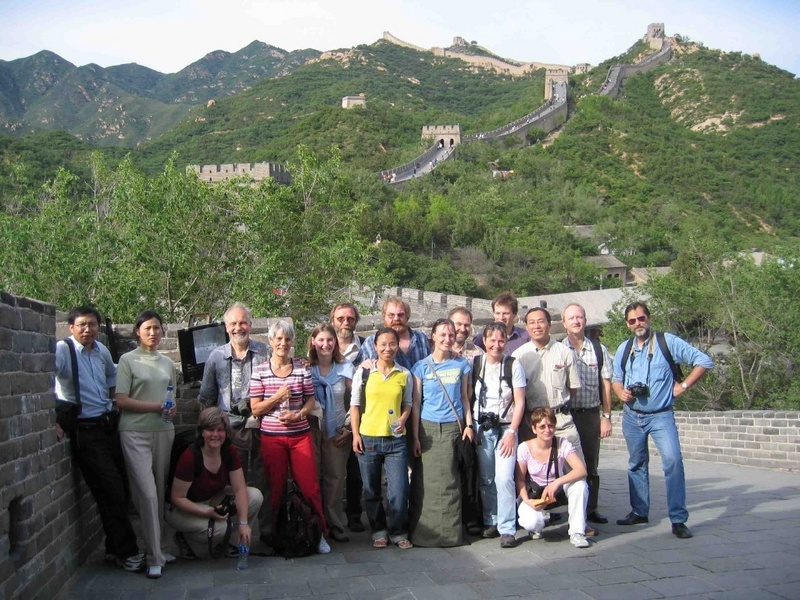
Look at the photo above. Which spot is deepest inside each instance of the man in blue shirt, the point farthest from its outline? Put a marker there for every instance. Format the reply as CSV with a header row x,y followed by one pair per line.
x,y
94,438
648,388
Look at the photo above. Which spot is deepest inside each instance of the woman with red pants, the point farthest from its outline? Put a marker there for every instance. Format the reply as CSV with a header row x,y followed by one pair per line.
x,y
282,394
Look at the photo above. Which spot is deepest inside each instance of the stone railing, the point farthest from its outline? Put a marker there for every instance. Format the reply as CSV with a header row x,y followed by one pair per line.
x,y
754,438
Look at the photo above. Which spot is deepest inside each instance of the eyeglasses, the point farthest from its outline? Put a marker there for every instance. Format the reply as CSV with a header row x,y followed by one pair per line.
x,y
545,426
639,319
348,319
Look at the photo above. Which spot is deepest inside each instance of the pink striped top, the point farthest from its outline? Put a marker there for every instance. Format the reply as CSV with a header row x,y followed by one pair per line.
x,y
264,383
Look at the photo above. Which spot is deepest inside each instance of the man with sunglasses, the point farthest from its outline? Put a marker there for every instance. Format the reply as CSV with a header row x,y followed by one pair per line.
x,y
648,387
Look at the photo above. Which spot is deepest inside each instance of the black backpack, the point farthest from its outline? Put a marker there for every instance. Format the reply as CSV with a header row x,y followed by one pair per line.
x,y
677,374
188,439
298,528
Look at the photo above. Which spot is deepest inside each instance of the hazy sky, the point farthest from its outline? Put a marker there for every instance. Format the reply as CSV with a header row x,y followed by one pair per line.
x,y
168,35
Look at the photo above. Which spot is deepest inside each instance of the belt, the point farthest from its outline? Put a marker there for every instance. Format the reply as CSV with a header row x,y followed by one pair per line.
x,y
100,421
651,412
580,411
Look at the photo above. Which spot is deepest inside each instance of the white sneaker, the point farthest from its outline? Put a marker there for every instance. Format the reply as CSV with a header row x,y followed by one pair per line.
x,y
536,535
169,558
324,547
132,564
153,571
578,540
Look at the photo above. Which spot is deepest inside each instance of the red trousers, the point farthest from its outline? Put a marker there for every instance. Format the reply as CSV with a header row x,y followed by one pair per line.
x,y
279,452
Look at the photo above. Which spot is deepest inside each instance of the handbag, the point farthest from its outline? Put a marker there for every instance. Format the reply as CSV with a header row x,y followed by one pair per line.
x,y
535,490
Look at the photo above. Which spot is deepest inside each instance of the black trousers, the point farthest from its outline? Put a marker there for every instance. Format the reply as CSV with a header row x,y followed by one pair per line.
x,y
99,456
354,487
588,425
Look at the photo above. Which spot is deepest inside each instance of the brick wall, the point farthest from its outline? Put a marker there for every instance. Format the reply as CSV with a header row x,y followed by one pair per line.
x,y
755,438
49,525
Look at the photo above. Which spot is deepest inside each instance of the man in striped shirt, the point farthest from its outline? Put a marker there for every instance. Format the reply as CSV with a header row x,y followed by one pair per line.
x,y
585,407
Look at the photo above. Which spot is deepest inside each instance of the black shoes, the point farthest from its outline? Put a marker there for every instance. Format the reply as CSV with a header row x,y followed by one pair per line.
x,y
490,532
681,531
596,517
355,525
508,541
633,519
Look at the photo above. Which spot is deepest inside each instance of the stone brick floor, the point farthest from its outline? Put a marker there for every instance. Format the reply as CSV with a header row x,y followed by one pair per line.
x,y
746,544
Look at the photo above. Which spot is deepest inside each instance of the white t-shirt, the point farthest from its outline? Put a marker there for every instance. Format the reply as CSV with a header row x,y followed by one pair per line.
x,y
498,394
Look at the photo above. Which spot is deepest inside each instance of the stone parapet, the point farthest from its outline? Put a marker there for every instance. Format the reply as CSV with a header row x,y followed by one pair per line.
x,y
755,438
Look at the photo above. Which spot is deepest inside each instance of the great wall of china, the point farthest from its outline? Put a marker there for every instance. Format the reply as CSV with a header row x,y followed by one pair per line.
x,y
445,138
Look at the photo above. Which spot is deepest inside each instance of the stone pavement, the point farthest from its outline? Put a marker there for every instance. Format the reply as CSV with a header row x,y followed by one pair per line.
x,y
746,524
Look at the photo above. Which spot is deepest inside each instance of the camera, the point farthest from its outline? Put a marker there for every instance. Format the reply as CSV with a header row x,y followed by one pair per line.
x,y
242,409
488,421
639,389
226,507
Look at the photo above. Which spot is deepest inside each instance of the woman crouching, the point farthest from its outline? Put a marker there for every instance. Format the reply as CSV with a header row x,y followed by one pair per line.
x,y
540,476
196,493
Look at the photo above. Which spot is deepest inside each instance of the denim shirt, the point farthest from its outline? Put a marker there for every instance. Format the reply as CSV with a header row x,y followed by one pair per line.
x,y
658,376
217,387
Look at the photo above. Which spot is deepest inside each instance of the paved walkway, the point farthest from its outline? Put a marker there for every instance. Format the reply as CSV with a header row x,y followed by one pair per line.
x,y
746,524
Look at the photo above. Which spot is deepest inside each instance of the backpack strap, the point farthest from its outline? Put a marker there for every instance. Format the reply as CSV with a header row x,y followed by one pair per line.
x,y
507,376
73,356
677,374
365,373
625,354
598,352
553,462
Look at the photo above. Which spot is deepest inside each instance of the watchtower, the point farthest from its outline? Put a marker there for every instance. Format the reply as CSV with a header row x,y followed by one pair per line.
x,y
552,76
450,134
655,35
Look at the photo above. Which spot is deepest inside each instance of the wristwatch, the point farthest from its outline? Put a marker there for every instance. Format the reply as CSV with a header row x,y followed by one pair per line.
x,y
242,522
471,426
606,415
684,386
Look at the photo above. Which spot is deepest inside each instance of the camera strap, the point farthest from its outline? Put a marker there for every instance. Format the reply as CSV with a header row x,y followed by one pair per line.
x,y
219,550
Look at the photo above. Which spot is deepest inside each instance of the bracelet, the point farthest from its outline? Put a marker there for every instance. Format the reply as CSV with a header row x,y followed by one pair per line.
x,y
242,523
509,430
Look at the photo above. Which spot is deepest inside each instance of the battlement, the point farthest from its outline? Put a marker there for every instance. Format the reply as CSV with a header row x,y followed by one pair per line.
x,y
258,172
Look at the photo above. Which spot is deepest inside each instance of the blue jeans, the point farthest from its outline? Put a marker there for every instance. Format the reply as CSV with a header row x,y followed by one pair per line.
x,y
496,481
389,452
661,427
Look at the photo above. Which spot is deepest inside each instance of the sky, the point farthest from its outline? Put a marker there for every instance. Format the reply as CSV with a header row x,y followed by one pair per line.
x,y
168,35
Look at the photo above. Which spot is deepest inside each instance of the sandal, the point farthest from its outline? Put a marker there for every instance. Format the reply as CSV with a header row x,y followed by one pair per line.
x,y
405,544
380,543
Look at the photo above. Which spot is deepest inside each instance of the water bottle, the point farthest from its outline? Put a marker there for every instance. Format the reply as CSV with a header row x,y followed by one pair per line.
x,y
169,402
244,550
394,423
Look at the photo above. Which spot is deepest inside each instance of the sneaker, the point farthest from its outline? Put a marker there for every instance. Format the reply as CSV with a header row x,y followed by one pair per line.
x,y
132,564
184,549
153,571
578,540
536,535
170,559
324,547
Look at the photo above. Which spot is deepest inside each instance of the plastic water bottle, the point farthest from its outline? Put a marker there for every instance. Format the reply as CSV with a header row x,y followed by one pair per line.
x,y
244,551
169,402
394,423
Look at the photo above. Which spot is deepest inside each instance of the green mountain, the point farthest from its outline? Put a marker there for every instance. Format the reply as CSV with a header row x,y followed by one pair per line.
x,y
125,105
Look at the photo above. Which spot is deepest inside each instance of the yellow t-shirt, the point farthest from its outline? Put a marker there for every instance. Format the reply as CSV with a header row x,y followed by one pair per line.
x,y
382,394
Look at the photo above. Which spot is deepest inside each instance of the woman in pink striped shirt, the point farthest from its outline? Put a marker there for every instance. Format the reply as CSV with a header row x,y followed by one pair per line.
x,y
282,394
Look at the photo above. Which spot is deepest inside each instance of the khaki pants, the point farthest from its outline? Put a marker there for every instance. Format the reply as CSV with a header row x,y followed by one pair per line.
x,y
194,527
147,460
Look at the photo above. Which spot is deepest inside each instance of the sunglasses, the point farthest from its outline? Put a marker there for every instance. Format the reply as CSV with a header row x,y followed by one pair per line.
x,y
639,319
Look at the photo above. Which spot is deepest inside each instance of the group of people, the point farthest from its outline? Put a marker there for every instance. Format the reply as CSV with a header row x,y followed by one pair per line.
x,y
512,410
